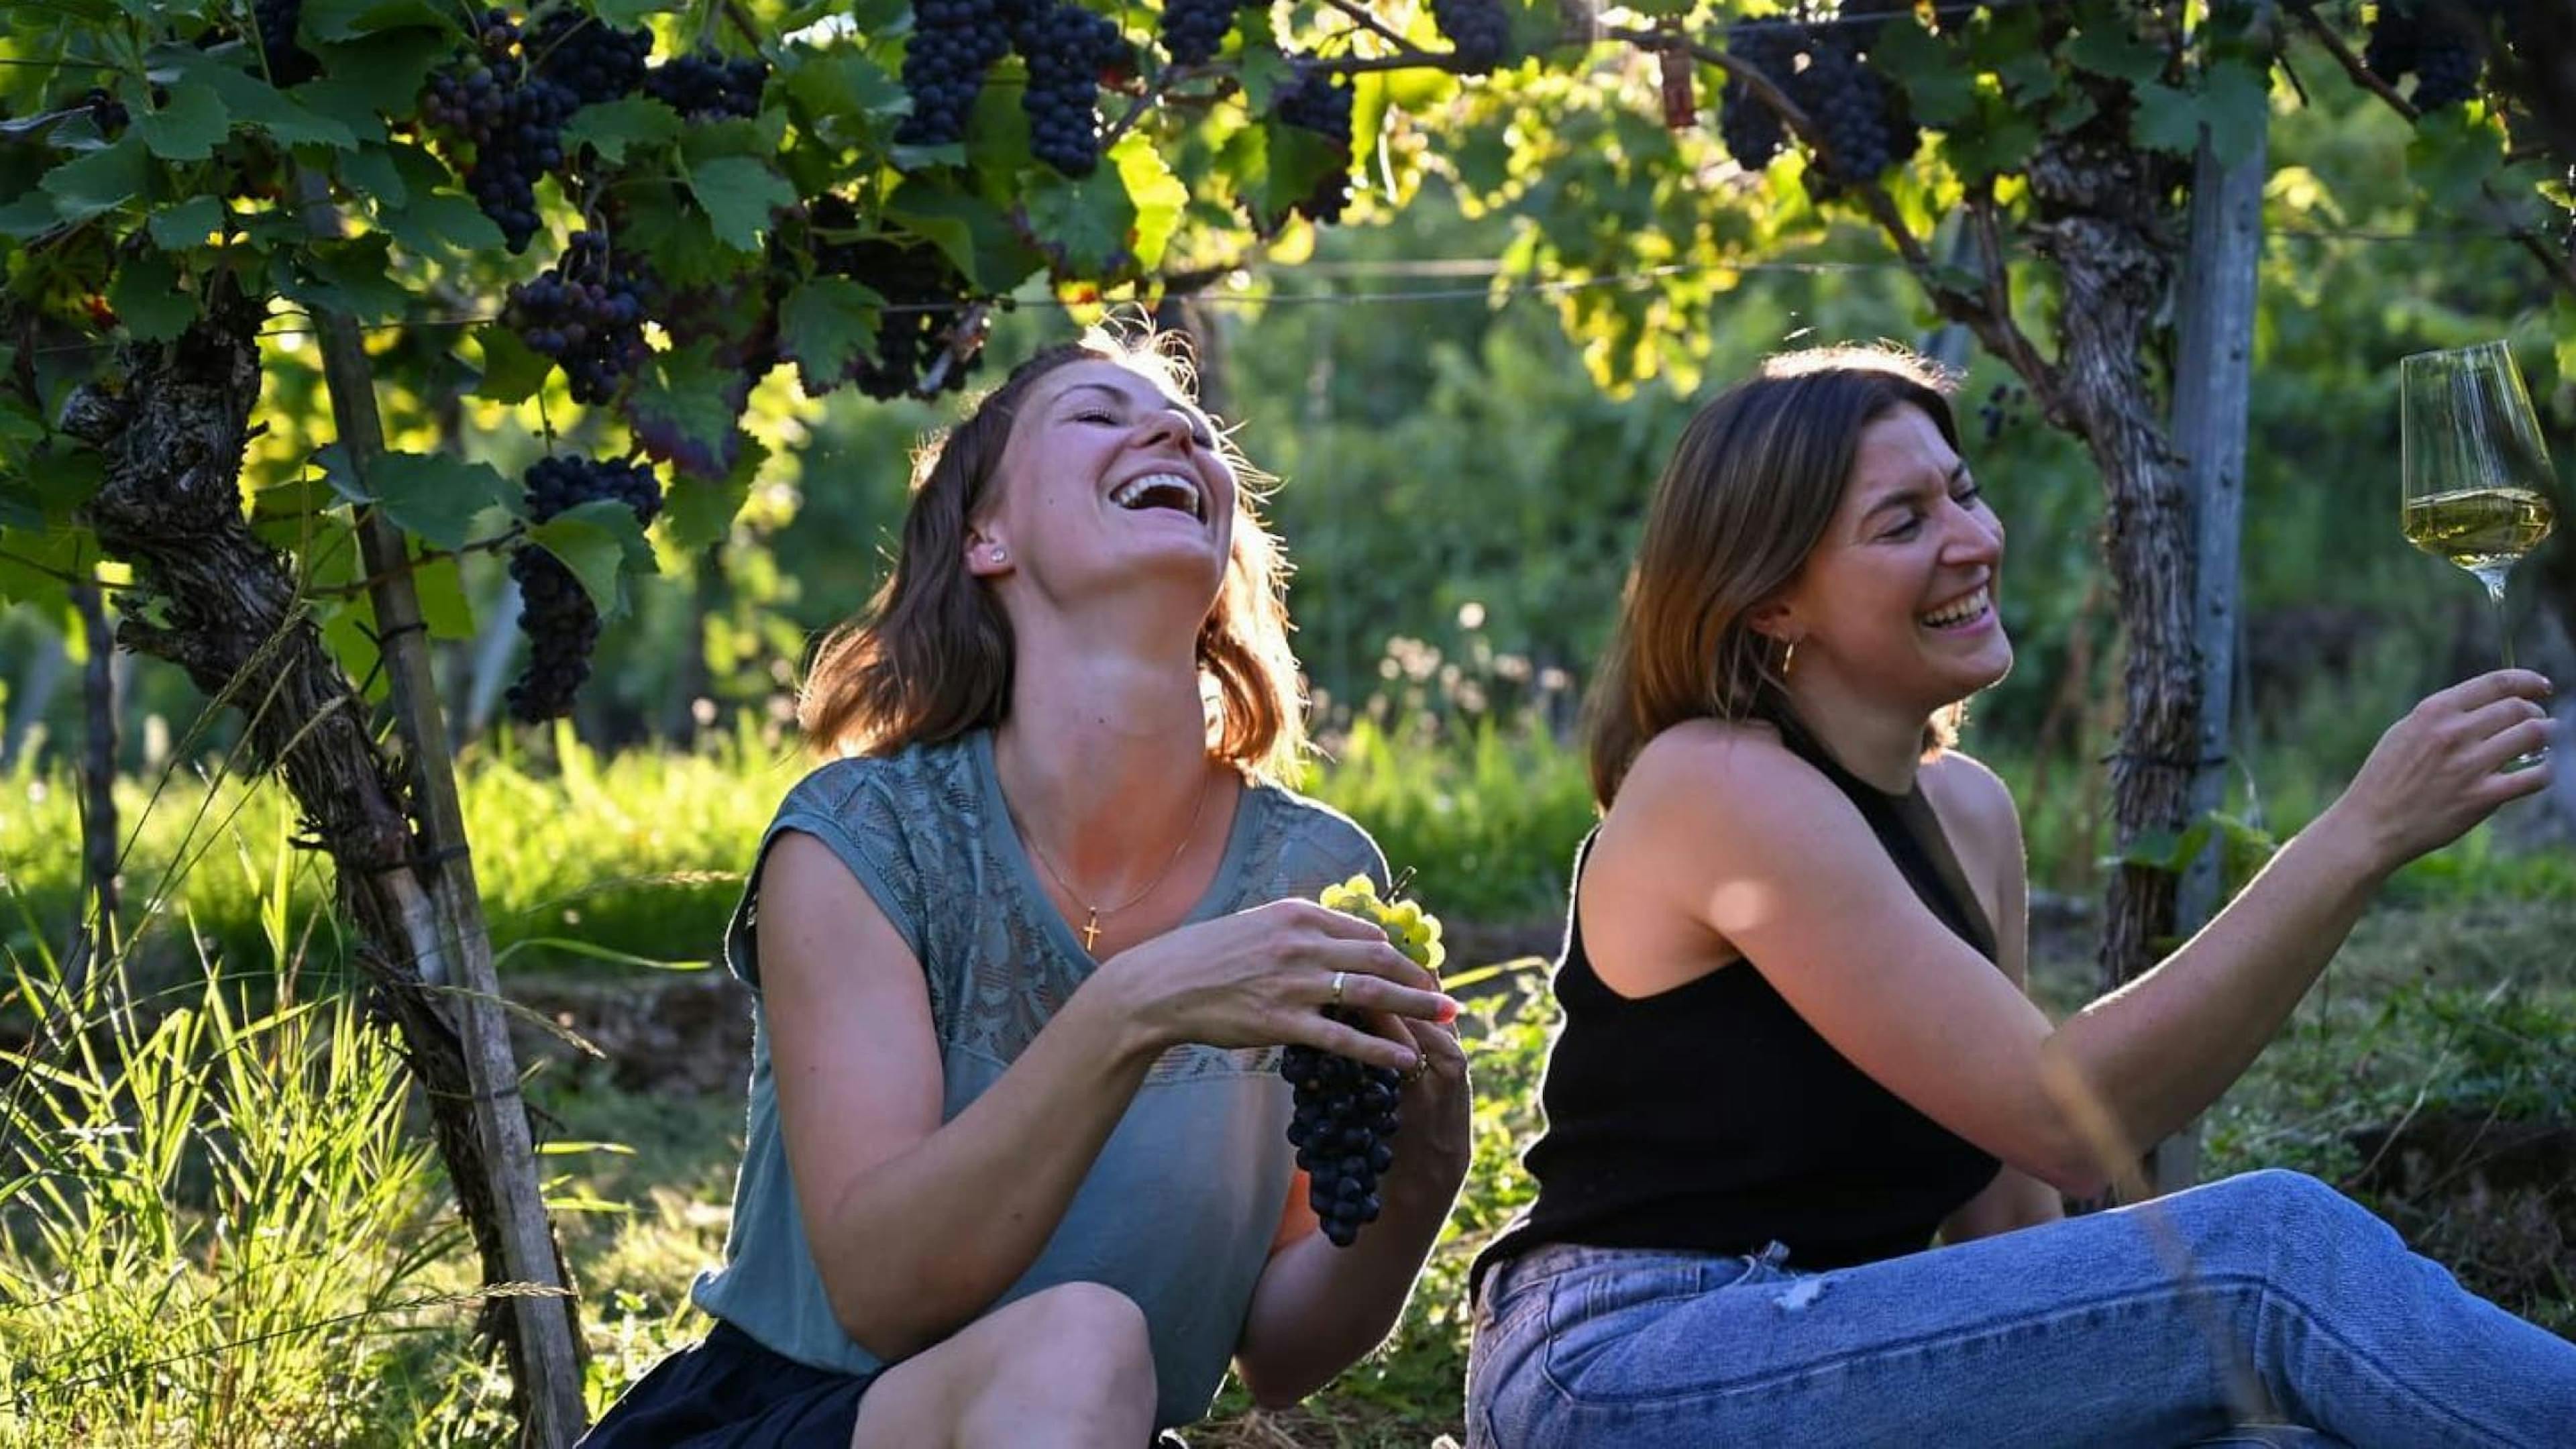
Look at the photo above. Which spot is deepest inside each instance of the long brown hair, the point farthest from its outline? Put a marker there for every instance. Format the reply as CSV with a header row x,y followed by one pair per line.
x,y
930,656
1749,492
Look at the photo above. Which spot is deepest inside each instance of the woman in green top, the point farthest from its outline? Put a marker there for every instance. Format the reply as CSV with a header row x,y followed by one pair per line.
x,y
1023,955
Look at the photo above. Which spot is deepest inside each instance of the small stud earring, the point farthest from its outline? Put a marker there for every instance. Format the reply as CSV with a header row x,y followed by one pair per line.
x,y
998,554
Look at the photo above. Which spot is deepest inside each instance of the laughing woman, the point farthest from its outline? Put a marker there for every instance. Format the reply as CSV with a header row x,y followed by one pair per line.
x,y
1796,1044
1016,1170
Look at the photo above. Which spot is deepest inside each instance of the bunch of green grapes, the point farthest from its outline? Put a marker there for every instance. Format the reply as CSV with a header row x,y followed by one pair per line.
x,y
1345,1111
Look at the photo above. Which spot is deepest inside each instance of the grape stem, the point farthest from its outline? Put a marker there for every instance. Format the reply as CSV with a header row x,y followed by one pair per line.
x,y
1361,14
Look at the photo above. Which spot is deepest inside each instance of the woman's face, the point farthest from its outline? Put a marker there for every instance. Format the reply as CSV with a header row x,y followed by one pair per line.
x,y
1107,480
1897,600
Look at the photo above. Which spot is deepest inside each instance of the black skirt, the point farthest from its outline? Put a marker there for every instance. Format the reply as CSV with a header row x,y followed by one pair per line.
x,y
731,1392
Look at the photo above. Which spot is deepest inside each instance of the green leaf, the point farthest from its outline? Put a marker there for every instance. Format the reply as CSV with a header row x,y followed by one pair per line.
x,y
101,181
972,231
191,223
441,222
353,275
431,496
263,107
330,20
1157,195
2167,120
738,194
683,407
2106,47
844,84
148,299
595,540
30,215
2562,313
2452,156
58,482
386,69
824,326
1082,225
612,126
2239,103
625,13
30,559
698,513
512,370
440,586
1998,142
188,128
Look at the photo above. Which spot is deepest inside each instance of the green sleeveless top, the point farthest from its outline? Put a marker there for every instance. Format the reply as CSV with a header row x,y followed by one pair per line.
x,y
1179,1210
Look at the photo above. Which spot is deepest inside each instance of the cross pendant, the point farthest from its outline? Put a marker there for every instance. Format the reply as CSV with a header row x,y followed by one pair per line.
x,y
1090,931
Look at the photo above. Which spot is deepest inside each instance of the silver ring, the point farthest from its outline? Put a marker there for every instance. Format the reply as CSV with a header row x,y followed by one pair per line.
x,y
1339,977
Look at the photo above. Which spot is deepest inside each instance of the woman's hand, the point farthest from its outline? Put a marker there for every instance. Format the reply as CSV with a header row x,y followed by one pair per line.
x,y
2439,770
1435,1102
1263,977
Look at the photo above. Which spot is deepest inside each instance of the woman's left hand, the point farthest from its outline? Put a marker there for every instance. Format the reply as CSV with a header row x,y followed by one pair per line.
x,y
1433,1104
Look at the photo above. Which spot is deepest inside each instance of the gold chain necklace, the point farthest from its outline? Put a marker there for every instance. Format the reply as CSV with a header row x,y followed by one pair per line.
x,y
1091,925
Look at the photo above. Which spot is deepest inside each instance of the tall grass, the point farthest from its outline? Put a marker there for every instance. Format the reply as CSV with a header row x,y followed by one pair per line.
x,y
212,1219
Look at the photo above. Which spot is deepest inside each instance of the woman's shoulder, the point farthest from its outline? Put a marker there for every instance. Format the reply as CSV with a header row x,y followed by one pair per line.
x,y
1964,788
895,794
1320,835
1697,755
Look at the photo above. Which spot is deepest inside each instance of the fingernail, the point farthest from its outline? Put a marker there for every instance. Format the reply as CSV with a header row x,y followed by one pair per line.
x,y
1448,1009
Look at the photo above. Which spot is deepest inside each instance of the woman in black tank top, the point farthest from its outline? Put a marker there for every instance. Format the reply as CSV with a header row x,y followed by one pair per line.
x,y
1796,1048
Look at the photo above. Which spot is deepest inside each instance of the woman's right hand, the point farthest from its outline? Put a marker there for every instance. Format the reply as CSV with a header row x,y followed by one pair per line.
x,y
1263,977
2440,770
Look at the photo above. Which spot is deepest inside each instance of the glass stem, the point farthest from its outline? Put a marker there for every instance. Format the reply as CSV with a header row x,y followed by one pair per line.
x,y
2494,580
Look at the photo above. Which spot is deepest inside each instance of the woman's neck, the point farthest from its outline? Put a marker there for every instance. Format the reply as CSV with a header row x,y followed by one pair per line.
x,y
1104,758
1883,746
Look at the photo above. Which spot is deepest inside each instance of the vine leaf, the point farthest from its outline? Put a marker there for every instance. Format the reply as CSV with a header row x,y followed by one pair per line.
x,y
596,540
826,323
101,181
432,496
738,194
683,408
186,129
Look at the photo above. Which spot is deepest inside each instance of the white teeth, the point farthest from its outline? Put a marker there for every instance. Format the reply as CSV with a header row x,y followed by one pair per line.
x,y
1131,493
1960,612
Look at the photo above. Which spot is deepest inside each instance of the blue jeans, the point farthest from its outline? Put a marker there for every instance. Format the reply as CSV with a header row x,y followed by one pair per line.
x,y
2300,1309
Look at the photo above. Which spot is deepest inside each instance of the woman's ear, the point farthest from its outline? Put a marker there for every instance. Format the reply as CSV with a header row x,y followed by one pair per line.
x,y
1775,620
986,555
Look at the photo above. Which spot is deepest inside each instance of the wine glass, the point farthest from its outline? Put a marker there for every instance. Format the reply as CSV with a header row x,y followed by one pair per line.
x,y
2476,474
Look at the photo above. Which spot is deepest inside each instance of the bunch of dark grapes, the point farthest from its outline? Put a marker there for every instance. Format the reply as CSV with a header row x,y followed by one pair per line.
x,y
1477,30
1342,1116
1848,101
587,313
703,85
1194,30
1343,1112
288,63
1321,103
587,56
954,42
1067,47
2002,407
555,612
1751,130
512,122
924,292
2439,41
106,112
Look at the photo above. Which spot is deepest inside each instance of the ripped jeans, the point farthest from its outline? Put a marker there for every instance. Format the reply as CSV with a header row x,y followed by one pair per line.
x,y
2303,1320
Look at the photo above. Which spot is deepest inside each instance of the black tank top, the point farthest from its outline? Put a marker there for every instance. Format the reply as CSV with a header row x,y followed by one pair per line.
x,y
1712,1118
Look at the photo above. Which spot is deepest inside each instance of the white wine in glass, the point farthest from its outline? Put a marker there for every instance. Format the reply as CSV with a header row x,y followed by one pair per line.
x,y
2477,478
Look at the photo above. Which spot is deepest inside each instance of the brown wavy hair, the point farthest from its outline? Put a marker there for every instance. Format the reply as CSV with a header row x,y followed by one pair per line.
x,y
1750,490
930,657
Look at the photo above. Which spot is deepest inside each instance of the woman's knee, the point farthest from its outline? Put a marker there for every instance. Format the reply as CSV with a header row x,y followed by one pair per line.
x,y
2284,1198
1087,1327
